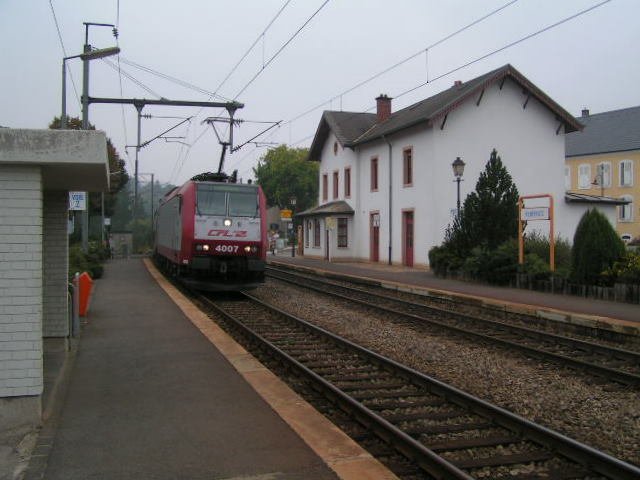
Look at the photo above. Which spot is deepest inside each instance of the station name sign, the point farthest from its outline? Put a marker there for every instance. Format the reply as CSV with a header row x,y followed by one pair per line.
x,y
537,213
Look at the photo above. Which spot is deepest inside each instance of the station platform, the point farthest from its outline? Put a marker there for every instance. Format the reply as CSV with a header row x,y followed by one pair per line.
x,y
617,317
157,390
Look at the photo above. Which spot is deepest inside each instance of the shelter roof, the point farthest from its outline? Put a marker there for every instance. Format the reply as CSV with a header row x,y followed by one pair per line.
x,y
572,197
69,159
339,207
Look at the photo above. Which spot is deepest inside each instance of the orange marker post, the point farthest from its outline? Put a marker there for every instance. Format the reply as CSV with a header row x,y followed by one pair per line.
x,y
86,285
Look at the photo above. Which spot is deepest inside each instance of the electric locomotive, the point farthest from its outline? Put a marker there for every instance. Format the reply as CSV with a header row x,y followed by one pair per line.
x,y
212,235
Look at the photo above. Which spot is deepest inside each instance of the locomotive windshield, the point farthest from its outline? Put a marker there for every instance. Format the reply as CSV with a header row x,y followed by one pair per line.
x,y
227,200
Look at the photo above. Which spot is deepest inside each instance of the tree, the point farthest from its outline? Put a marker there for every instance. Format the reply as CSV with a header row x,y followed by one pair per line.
x,y
118,176
596,247
488,219
491,212
284,173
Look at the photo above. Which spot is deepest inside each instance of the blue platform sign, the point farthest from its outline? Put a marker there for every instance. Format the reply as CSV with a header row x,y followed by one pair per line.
x,y
538,213
77,200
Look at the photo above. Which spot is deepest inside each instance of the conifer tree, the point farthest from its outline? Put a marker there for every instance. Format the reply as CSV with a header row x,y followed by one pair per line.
x,y
596,247
490,214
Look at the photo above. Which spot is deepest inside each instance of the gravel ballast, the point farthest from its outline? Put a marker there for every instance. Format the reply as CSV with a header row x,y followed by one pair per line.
x,y
601,414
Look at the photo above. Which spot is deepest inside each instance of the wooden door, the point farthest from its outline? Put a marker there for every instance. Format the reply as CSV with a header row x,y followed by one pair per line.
x,y
407,238
374,242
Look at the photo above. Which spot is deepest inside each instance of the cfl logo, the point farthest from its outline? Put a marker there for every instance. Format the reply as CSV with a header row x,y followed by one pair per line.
x,y
227,233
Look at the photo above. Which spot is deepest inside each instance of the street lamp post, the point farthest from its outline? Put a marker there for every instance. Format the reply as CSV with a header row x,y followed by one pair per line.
x,y
458,170
293,230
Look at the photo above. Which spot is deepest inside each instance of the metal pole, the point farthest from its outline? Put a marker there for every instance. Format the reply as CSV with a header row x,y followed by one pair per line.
x,y
85,126
458,181
135,184
63,115
85,88
102,215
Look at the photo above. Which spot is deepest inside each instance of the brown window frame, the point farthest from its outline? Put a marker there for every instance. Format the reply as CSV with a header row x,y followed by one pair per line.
x,y
343,232
316,233
347,182
407,167
325,187
374,174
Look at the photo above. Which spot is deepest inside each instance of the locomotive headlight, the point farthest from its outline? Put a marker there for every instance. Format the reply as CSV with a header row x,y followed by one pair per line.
x,y
247,249
205,248
199,248
227,222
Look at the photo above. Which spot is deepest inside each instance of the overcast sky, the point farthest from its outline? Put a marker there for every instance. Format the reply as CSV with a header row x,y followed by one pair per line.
x,y
590,61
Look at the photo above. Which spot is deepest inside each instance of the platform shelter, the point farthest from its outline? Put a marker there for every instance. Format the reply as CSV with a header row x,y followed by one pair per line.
x,y
38,168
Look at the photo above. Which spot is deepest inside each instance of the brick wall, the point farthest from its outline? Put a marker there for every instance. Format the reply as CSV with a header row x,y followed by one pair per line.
x,y
20,281
55,320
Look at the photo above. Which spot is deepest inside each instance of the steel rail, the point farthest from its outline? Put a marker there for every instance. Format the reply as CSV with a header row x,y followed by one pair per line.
x,y
586,456
427,459
619,376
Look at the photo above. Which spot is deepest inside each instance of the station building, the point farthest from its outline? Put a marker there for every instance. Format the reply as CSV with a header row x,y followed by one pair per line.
x,y
603,160
386,186
38,168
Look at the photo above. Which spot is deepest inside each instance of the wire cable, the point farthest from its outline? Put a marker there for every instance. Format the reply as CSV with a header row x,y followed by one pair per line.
x,y
484,57
275,55
235,67
405,60
64,50
131,77
173,79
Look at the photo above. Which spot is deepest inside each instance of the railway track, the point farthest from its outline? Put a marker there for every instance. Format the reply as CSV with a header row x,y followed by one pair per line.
x,y
612,364
445,432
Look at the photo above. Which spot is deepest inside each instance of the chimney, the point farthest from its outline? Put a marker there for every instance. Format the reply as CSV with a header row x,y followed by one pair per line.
x,y
383,108
457,83
585,112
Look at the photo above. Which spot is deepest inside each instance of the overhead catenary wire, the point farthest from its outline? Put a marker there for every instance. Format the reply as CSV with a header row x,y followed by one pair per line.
x,y
405,60
64,50
130,77
483,57
235,67
272,58
175,80
284,45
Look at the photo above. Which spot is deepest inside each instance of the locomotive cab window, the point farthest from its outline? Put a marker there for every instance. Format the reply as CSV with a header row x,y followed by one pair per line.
x,y
226,200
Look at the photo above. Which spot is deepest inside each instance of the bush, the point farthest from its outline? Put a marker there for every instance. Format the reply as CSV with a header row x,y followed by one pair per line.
x,y
596,247
626,270
536,244
91,262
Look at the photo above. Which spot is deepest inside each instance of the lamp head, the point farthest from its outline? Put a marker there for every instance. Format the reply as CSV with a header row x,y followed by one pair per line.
x,y
458,167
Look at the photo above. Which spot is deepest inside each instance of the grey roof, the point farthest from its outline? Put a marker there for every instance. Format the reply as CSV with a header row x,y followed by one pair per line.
x,y
339,207
614,131
572,197
354,129
437,107
347,126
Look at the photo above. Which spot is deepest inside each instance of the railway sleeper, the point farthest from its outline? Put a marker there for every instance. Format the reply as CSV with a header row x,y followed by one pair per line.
x,y
502,460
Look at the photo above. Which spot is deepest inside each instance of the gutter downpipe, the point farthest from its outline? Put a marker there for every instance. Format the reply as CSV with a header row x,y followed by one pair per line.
x,y
390,195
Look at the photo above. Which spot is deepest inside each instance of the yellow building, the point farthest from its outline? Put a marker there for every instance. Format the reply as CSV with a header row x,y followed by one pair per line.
x,y
604,160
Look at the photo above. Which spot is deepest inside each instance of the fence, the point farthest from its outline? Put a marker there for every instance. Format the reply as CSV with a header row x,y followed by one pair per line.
x,y
620,292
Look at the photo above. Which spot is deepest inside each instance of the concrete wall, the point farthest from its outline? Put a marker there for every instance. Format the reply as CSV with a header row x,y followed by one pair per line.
x,y
56,264
21,378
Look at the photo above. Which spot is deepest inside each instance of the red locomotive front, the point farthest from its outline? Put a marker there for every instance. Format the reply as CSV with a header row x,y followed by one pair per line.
x,y
212,235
